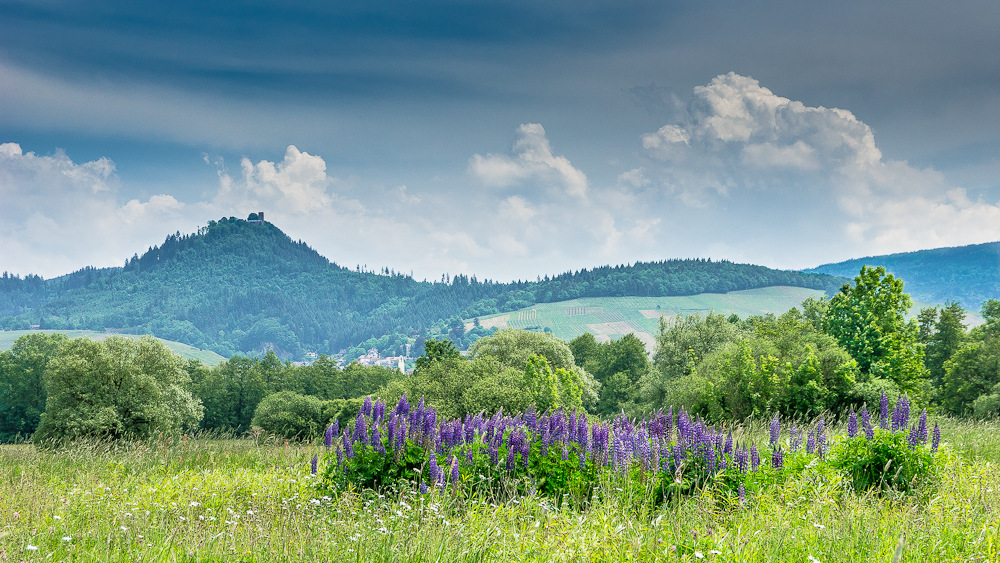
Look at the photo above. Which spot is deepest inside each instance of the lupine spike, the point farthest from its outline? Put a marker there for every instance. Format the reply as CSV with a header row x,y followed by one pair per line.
x,y
852,425
936,440
314,465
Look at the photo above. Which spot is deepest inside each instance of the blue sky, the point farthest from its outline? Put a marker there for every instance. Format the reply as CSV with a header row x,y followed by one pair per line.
x,y
507,140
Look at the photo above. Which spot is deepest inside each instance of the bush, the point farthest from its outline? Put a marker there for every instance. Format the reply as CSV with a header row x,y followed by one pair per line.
x,y
886,462
119,388
290,415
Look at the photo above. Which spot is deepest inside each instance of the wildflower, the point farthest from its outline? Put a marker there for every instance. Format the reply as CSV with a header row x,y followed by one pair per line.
x,y
30,547
922,427
937,438
811,443
314,464
777,459
331,431
743,494
67,538
754,457
366,408
852,425
866,423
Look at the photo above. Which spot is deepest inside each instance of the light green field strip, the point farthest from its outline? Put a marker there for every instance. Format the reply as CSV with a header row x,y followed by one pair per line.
x,y
207,357
614,317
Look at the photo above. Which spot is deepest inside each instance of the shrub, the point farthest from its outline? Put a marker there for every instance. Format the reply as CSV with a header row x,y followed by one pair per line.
x,y
290,415
886,462
114,389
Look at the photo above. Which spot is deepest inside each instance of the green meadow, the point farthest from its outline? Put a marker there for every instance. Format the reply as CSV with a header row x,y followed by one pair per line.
x,y
212,499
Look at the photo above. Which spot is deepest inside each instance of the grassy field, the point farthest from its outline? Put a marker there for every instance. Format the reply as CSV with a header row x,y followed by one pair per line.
x,y
613,317
207,357
243,500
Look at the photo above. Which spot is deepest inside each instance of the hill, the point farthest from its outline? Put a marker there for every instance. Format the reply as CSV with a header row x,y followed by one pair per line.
x,y
236,286
968,275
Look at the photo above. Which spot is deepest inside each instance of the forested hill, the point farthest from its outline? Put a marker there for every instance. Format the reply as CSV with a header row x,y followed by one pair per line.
x,y
236,286
968,275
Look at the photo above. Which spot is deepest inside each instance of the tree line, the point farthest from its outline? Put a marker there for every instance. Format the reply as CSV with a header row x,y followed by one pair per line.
x,y
830,355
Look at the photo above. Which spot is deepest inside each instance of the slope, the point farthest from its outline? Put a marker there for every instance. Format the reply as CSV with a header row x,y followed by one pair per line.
x,y
968,275
241,287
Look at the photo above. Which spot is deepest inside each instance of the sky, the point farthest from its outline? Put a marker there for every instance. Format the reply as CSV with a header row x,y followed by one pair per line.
x,y
506,140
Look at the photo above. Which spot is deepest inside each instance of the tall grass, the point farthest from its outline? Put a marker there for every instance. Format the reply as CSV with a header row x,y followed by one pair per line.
x,y
216,498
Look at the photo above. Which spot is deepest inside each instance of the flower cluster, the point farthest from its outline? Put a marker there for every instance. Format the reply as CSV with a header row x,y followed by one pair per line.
x,y
663,444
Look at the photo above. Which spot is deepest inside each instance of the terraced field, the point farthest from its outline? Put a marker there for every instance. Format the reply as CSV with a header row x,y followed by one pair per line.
x,y
613,317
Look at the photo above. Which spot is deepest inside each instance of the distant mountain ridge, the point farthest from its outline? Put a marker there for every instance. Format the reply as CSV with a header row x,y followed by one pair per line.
x,y
241,287
967,275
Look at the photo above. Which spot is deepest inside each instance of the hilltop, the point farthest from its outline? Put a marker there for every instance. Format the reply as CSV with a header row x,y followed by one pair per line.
x,y
967,275
236,286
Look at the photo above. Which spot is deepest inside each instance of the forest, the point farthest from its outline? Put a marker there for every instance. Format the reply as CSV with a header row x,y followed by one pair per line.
x,y
237,287
829,356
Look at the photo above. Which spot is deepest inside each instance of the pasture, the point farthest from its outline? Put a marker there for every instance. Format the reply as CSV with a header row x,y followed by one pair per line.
x,y
210,499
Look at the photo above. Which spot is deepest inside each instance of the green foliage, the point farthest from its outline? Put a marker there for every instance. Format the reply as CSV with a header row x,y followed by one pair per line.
x,y
437,351
290,415
233,389
513,348
867,320
117,388
22,384
886,462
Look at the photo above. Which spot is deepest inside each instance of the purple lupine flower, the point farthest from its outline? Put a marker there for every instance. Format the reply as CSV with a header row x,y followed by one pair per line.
x,y
378,411
531,418
377,441
340,455
582,432
866,423
742,492
708,454
434,472
754,458
883,411
852,425
794,438
331,431
670,421
402,407
936,440
728,449
314,465
360,429
742,459
775,431
454,472
777,458
469,459
645,454
913,438
430,421
582,455
366,408
348,449
423,488
678,455
811,442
